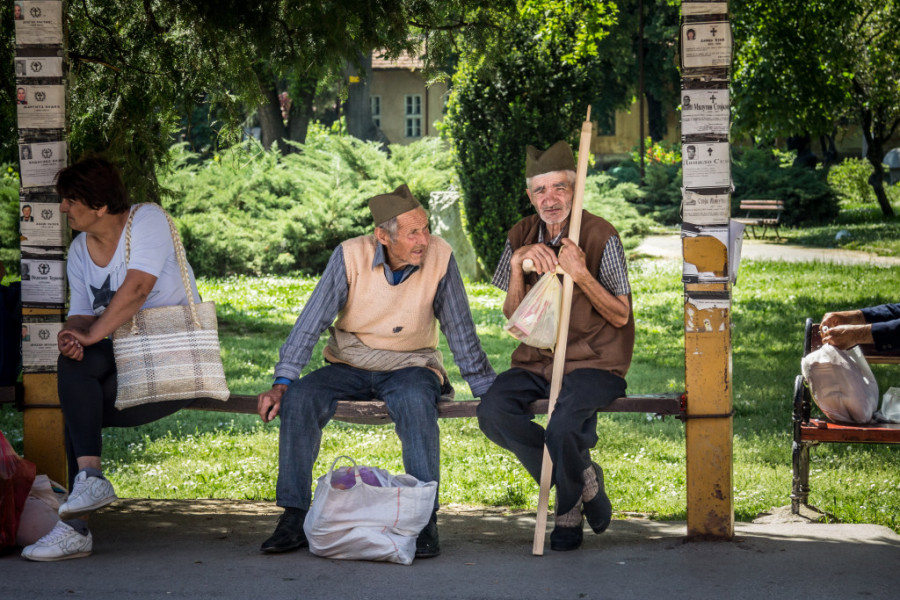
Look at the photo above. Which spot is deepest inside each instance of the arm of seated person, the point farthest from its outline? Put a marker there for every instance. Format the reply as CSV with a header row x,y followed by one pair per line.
x,y
127,300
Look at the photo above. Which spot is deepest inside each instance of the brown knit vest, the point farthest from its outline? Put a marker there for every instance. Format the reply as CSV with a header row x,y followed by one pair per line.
x,y
593,343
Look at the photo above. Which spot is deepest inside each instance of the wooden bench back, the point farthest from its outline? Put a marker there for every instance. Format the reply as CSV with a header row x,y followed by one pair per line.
x,y
752,204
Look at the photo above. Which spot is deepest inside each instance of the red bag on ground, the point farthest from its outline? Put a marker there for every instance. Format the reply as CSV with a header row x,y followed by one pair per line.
x,y
16,477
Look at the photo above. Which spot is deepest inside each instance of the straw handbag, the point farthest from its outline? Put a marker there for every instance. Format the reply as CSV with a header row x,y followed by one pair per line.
x,y
169,352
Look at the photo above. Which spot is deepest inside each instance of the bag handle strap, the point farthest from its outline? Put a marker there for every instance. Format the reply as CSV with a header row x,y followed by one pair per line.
x,y
331,470
179,256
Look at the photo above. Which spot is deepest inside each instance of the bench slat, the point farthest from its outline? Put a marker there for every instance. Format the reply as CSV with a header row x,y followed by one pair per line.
x,y
373,412
820,430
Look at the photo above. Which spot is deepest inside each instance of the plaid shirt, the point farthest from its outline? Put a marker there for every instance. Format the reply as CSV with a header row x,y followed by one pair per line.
x,y
451,307
612,274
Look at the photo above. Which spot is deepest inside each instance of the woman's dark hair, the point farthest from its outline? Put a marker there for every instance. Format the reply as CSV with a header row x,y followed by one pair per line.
x,y
95,182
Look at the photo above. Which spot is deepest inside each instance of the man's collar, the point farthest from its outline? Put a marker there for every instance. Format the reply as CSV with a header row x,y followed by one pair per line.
x,y
556,241
381,259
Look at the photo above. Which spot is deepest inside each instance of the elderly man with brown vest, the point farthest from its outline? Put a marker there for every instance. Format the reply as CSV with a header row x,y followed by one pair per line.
x,y
388,292
600,344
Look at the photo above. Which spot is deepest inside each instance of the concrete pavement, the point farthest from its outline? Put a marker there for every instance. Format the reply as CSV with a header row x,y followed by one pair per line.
x,y
669,246
209,549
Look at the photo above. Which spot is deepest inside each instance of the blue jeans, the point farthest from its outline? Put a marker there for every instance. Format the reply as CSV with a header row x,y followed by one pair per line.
x,y
571,433
411,396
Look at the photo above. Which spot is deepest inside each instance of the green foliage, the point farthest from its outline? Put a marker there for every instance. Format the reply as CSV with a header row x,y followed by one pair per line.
x,y
807,197
757,173
531,93
250,211
605,198
9,218
850,180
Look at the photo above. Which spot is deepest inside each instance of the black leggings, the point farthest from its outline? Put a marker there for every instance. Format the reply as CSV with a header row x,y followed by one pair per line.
x,y
87,394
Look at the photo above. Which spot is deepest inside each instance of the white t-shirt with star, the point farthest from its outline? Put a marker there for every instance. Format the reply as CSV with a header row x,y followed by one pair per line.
x,y
152,251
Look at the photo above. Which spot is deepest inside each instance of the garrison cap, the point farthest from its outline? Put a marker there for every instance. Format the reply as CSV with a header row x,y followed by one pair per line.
x,y
385,207
558,157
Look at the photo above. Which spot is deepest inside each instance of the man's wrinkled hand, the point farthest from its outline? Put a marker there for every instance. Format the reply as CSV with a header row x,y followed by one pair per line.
x,y
541,256
268,404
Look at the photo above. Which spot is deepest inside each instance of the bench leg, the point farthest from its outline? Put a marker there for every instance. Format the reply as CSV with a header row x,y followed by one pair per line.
x,y
800,485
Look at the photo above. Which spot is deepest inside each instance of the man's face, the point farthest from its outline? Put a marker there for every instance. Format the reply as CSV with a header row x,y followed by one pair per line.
x,y
26,212
413,237
20,94
551,195
18,11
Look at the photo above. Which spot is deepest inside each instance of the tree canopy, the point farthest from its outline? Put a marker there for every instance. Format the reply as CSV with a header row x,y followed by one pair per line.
x,y
807,66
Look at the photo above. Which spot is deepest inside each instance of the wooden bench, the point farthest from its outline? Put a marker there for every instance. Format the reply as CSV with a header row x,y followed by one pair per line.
x,y
373,412
809,432
11,394
751,207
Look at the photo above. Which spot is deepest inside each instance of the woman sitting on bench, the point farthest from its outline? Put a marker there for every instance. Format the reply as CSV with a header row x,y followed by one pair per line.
x,y
105,293
879,325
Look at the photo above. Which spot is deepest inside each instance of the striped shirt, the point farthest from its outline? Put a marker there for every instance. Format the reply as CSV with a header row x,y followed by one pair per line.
x,y
451,307
612,274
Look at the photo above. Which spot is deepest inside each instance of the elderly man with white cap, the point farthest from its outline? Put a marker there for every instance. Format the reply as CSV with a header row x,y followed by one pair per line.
x,y
389,291
601,340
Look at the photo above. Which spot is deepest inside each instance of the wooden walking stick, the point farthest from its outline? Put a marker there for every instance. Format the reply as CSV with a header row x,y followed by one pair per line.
x,y
562,336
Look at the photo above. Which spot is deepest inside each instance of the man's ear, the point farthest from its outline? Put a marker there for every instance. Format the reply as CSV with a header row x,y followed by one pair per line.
x,y
382,236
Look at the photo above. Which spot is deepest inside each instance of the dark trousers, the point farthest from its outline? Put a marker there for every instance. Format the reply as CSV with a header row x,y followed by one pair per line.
x,y
87,394
571,432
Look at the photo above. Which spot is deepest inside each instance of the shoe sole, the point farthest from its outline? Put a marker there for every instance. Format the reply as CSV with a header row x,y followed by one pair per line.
x,y
56,558
74,514
428,554
283,549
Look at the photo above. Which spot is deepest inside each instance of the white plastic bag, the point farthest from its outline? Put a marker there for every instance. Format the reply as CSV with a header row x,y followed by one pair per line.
x,y
842,384
536,320
890,405
40,513
369,522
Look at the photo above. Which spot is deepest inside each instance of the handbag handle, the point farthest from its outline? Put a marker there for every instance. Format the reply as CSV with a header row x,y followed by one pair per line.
x,y
179,256
331,470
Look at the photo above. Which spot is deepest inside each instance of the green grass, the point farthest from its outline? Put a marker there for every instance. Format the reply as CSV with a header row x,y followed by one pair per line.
x,y
202,455
868,230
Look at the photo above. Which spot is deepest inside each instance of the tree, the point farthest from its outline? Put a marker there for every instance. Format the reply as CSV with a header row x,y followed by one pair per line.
x,y
532,86
136,65
805,66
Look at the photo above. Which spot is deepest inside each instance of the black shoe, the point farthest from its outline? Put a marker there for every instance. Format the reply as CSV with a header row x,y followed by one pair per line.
x,y
563,539
599,510
288,533
428,544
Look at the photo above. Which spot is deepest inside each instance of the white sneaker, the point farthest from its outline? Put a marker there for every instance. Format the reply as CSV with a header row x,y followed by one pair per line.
x,y
88,494
61,543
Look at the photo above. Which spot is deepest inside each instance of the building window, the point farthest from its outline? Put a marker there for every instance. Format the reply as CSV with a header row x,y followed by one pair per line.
x,y
606,123
413,114
375,105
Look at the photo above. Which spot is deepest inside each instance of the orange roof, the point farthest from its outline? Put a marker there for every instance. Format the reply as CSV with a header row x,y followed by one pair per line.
x,y
404,61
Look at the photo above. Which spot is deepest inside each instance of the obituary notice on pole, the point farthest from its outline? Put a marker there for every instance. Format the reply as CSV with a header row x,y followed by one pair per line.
x,y
41,223
706,44
40,163
41,106
38,22
43,281
705,112
39,67
706,165
705,209
39,348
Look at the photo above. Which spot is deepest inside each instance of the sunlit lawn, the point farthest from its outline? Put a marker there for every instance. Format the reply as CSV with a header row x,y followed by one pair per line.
x,y
200,455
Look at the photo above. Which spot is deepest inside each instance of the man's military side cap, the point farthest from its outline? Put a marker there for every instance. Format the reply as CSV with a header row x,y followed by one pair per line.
x,y
385,207
558,157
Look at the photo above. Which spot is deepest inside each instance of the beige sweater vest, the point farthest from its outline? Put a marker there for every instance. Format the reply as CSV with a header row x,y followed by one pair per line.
x,y
392,317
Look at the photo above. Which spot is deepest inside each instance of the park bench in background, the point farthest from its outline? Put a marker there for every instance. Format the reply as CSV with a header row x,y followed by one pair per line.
x,y
11,394
373,412
809,432
764,207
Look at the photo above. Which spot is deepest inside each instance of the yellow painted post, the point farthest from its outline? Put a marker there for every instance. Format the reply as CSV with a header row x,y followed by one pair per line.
x,y
44,442
708,435
705,51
